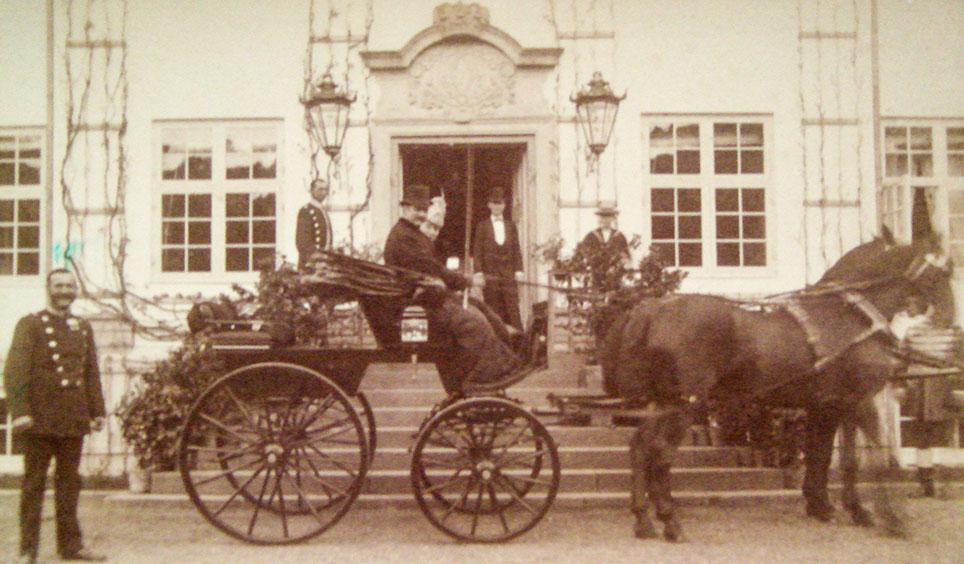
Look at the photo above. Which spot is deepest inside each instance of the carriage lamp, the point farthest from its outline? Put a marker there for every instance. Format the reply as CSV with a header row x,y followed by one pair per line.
x,y
327,111
596,108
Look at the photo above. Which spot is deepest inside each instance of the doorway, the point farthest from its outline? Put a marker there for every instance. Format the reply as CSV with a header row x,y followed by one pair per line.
x,y
465,173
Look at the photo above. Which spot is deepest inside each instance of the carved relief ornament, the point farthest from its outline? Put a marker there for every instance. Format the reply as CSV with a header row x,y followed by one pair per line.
x,y
462,79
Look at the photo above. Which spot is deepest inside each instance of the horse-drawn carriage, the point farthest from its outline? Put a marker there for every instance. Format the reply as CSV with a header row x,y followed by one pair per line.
x,y
277,450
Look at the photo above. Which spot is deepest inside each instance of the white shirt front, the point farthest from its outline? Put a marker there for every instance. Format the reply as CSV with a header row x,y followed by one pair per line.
x,y
498,228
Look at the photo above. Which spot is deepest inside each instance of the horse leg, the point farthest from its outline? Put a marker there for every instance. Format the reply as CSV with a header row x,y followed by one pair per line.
x,y
671,428
877,427
821,428
639,459
849,465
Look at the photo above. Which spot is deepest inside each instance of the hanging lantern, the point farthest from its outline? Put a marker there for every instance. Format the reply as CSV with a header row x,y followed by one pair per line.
x,y
327,109
596,108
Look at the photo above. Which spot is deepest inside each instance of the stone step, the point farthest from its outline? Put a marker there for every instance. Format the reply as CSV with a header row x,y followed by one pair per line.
x,y
565,436
427,397
591,480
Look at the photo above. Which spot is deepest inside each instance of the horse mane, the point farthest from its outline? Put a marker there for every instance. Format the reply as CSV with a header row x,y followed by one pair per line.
x,y
878,258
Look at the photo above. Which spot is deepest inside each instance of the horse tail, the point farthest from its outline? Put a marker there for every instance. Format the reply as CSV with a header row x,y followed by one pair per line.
x,y
607,352
638,365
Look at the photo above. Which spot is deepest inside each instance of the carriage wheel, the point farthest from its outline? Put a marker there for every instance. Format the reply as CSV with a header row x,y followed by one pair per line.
x,y
485,470
273,453
368,418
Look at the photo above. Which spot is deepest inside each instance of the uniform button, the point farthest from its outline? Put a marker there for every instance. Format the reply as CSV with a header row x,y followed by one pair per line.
x,y
64,383
60,369
52,344
44,318
55,356
48,330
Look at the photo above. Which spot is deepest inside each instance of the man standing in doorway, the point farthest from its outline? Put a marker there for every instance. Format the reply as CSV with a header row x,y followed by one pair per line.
x,y
499,258
603,249
313,232
52,382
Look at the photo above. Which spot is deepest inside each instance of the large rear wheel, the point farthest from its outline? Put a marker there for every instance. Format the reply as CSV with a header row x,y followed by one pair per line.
x,y
485,470
273,453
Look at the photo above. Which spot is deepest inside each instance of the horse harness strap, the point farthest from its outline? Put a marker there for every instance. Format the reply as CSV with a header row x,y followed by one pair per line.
x,y
825,349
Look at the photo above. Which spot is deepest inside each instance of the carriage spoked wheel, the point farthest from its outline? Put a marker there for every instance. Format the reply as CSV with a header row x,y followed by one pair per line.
x,y
273,453
485,470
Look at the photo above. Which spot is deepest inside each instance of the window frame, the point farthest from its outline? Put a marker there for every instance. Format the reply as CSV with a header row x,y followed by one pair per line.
x,y
708,181
940,183
18,192
218,186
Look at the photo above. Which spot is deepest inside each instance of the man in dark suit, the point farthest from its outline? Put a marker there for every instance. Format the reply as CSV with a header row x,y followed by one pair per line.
x,y
477,352
499,258
53,387
313,231
605,250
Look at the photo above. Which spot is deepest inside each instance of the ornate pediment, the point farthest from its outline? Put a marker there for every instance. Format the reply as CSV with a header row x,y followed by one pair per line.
x,y
462,79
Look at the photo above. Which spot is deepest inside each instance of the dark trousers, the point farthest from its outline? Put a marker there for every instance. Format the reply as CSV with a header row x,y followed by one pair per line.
x,y
502,295
38,450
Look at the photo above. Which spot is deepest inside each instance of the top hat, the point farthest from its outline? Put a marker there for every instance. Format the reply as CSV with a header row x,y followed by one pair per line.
x,y
496,196
607,211
417,196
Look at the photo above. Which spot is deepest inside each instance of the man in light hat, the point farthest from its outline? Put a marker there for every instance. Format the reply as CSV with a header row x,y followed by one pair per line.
x,y
499,258
603,248
313,231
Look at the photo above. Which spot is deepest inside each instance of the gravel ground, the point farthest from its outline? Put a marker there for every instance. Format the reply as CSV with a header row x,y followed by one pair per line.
x,y
772,530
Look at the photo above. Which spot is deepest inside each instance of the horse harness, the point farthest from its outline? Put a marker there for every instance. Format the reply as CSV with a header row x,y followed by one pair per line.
x,y
827,350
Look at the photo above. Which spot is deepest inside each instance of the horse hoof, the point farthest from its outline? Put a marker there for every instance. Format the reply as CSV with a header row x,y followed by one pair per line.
x,y
673,532
644,529
823,513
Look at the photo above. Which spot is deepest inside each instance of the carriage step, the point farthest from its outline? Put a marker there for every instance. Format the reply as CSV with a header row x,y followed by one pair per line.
x,y
591,480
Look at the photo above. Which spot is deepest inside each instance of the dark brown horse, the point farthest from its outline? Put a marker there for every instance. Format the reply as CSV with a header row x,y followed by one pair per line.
x,y
824,348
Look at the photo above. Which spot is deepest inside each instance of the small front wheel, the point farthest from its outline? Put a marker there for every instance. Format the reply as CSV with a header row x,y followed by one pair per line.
x,y
485,470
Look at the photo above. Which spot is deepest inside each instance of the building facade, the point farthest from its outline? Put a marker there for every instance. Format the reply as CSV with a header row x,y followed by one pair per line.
x,y
162,145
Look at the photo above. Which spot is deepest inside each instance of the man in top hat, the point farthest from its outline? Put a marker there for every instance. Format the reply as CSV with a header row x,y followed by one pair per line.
x,y
53,388
604,247
477,353
313,232
499,258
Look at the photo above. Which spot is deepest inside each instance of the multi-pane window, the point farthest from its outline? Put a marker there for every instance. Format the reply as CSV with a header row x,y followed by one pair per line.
x,y
708,191
908,150
218,206
923,188
677,230
674,149
740,227
186,232
251,153
250,231
738,148
955,151
21,202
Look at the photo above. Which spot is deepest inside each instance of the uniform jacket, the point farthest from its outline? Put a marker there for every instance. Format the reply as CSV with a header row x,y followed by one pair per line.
x,y
313,232
501,261
602,255
52,375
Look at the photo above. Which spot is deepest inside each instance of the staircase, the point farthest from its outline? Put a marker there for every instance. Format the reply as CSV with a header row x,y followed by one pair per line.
x,y
594,460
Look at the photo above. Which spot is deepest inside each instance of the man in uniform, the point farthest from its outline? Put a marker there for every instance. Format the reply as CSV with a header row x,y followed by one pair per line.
x,y
478,354
499,258
53,387
313,232
603,248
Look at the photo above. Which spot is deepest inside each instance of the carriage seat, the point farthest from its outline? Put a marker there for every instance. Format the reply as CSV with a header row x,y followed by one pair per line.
x,y
227,330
